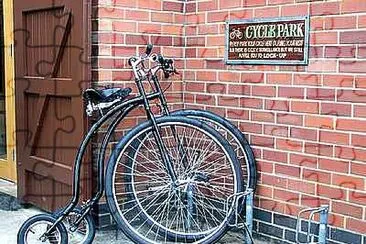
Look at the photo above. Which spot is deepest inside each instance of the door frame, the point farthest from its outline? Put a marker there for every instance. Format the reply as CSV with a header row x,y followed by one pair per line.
x,y
9,172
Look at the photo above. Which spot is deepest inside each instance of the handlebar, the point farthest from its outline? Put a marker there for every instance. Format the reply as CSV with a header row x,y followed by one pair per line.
x,y
167,65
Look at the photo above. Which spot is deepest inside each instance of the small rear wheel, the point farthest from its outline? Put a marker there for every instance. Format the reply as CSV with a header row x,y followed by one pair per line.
x,y
33,231
84,233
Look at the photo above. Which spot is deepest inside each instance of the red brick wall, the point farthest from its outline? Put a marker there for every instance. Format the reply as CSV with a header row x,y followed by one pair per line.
x,y
307,124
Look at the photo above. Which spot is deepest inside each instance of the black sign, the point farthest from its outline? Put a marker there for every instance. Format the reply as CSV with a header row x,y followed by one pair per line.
x,y
268,41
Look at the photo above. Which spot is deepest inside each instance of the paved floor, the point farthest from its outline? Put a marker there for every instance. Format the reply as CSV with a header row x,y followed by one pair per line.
x,y
12,216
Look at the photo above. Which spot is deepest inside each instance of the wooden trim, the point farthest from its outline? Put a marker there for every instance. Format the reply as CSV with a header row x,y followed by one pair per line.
x,y
10,171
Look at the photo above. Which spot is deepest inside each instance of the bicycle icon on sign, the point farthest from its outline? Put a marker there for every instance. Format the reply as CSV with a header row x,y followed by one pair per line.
x,y
236,33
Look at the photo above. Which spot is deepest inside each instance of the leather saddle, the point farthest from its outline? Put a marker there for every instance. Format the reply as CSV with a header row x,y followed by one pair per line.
x,y
106,95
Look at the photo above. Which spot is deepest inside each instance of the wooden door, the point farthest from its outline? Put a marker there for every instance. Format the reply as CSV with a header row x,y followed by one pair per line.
x,y
7,99
51,69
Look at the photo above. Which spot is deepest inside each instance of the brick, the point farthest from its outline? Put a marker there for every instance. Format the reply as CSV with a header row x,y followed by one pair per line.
x,y
291,92
355,96
294,10
250,127
348,181
331,192
333,165
358,169
360,111
217,16
352,66
173,6
229,76
312,201
137,39
252,78
262,141
336,109
307,79
238,89
289,145
353,37
305,107
326,8
162,40
206,76
359,140
287,196
277,105
338,80
357,197
150,5
356,225
321,38
305,134
191,7
281,78
360,82
351,125
322,66
319,122
237,114
263,116
124,51
123,26
250,3
265,91
347,209
137,15
353,6
162,17
287,170
274,156
340,52
207,5
340,22
289,119
301,186
229,4
344,236
240,14
216,88
267,12
205,99
208,29
319,149
316,176
350,153
303,160
195,86
334,137
264,167
228,101
276,130
248,102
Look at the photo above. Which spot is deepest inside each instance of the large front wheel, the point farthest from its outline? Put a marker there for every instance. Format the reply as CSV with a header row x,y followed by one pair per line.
x,y
149,207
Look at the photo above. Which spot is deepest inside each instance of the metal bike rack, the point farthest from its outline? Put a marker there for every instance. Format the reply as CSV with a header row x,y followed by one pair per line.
x,y
323,223
247,225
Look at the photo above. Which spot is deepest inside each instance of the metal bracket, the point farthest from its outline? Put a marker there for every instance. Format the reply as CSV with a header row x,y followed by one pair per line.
x,y
248,224
323,222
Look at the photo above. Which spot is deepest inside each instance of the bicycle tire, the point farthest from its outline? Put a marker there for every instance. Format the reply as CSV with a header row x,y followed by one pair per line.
x,y
249,159
46,218
89,225
115,207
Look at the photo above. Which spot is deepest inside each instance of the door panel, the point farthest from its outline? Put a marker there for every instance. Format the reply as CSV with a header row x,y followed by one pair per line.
x,y
51,57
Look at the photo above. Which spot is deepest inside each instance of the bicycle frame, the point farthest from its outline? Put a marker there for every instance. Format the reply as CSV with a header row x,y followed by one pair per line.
x,y
123,109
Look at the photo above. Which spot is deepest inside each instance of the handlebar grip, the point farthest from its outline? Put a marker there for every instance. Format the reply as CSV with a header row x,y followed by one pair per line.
x,y
130,60
149,48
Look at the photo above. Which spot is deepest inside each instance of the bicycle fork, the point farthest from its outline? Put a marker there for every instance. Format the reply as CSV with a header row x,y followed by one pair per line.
x,y
159,140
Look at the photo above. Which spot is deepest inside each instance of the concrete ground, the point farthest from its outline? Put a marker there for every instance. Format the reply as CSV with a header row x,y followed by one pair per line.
x,y
13,215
